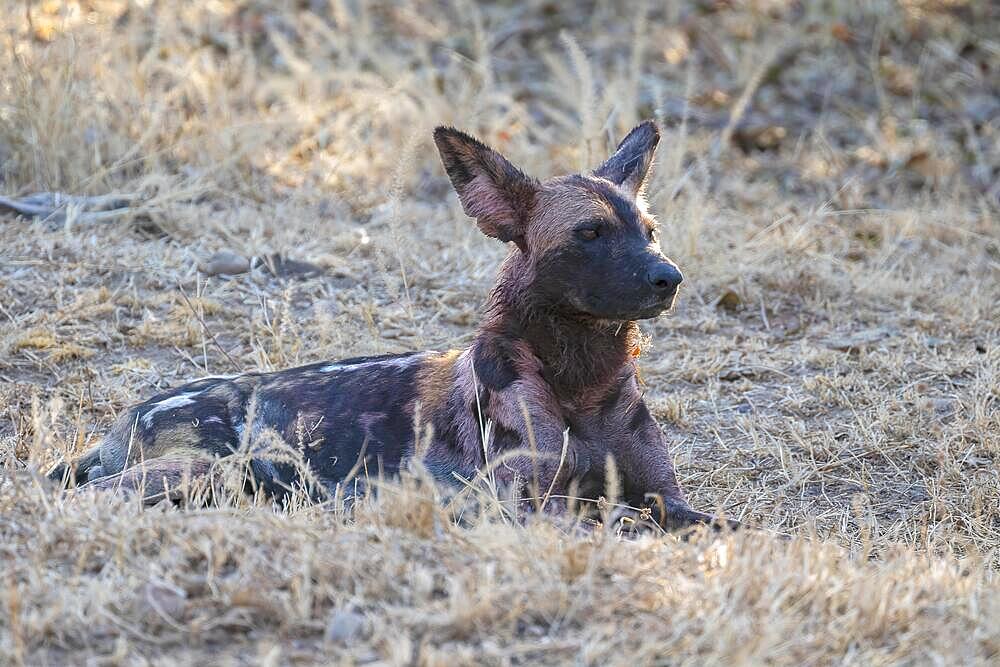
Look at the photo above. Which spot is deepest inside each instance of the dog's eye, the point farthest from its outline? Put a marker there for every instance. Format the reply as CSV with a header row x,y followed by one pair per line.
x,y
652,234
589,233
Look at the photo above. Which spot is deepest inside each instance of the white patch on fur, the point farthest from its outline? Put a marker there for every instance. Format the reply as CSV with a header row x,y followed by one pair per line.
x,y
402,362
215,377
178,401
213,420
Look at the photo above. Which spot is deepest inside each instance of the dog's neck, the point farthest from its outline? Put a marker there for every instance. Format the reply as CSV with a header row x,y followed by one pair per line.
x,y
582,357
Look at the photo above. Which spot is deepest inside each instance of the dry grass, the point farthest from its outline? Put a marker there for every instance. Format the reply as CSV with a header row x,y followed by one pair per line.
x,y
828,182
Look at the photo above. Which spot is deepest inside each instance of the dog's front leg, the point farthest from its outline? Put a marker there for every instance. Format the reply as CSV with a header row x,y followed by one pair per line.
x,y
546,451
650,479
540,474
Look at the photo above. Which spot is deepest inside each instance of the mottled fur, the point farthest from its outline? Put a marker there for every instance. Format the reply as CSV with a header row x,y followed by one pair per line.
x,y
553,355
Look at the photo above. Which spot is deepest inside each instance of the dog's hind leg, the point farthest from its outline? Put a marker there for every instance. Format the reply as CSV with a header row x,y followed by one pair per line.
x,y
106,458
174,478
81,471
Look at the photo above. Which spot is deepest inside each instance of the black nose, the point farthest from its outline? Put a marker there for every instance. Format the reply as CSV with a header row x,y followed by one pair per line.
x,y
664,277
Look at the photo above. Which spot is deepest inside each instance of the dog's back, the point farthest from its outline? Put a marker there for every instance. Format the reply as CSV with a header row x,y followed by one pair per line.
x,y
330,412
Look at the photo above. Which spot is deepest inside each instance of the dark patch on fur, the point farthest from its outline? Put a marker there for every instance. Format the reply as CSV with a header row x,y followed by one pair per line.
x,y
640,417
494,364
505,438
610,402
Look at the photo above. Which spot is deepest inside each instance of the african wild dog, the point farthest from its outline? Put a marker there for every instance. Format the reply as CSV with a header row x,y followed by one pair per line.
x,y
554,354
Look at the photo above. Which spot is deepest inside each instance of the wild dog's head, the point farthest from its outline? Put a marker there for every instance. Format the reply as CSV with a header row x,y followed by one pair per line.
x,y
589,246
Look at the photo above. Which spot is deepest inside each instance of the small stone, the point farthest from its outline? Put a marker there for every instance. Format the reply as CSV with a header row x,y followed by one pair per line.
x,y
280,266
729,300
857,341
345,626
225,263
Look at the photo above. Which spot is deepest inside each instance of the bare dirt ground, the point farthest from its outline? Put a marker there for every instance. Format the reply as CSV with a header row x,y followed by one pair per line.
x,y
828,180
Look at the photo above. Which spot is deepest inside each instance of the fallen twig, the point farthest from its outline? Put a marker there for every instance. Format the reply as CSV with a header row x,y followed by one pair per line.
x,y
58,206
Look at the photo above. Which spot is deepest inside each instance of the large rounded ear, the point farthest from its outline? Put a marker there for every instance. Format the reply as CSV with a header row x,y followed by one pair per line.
x,y
630,163
492,190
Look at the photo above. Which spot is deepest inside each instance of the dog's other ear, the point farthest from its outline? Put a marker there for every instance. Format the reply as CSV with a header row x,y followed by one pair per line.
x,y
630,163
492,190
